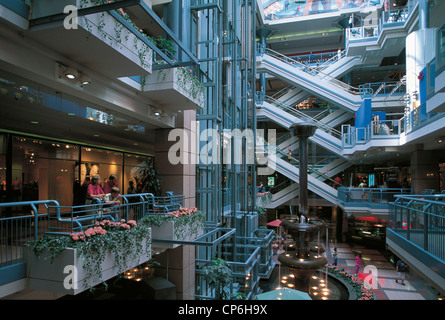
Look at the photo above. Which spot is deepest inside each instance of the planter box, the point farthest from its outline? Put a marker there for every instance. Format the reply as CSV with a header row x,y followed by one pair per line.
x,y
166,231
99,42
58,276
174,89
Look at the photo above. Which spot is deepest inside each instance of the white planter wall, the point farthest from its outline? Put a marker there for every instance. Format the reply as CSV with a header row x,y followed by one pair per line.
x,y
57,276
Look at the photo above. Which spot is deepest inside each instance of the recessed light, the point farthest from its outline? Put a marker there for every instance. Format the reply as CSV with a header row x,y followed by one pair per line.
x,y
34,122
84,79
71,73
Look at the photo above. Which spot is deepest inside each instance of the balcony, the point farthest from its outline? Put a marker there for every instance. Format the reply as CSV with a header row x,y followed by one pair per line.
x,y
368,200
103,40
45,238
174,88
382,133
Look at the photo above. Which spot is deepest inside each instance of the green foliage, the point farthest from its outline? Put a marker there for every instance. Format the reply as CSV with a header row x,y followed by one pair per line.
x,y
261,211
219,276
186,225
149,178
357,284
122,243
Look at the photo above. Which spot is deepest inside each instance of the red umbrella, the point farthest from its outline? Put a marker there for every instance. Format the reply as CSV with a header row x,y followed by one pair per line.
x,y
275,223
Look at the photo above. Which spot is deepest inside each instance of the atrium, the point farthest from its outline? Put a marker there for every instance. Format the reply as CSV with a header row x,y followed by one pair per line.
x,y
222,150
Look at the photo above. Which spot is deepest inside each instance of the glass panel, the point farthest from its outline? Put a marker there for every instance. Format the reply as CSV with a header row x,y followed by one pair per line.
x,y
103,163
43,170
133,165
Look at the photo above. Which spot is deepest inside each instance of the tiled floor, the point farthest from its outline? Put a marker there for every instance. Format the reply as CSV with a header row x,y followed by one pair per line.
x,y
385,274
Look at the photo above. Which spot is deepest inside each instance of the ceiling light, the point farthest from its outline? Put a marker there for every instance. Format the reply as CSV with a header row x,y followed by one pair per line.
x,y
84,79
71,73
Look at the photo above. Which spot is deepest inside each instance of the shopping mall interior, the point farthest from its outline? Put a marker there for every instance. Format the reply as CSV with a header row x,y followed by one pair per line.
x,y
261,150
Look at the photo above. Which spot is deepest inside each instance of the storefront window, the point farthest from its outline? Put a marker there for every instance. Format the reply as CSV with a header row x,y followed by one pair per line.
x,y
42,170
39,169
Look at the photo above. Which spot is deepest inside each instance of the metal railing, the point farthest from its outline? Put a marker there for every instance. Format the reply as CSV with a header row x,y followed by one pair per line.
x,y
313,71
314,172
244,264
382,88
351,136
387,19
301,115
374,197
420,219
29,223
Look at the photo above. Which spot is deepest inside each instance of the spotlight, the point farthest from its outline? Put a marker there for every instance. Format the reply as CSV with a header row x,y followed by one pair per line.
x,y
71,73
84,79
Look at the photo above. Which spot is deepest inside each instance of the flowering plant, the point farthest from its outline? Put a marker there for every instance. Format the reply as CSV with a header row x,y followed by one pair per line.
x,y
264,197
188,221
358,284
124,239
100,228
183,211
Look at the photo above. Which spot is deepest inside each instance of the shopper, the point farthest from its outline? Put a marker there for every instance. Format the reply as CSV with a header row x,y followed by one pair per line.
x,y
112,182
114,196
335,255
400,268
94,190
337,182
131,188
358,263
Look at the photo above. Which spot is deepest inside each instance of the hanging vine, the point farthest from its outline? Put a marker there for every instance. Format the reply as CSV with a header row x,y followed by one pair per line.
x,y
122,239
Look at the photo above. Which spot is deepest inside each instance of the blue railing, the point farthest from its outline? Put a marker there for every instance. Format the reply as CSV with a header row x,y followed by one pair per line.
x,y
388,18
420,220
15,231
30,220
381,129
370,197
382,88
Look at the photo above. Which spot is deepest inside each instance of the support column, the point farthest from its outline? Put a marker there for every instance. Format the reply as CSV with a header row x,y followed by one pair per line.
x,y
177,265
424,170
303,131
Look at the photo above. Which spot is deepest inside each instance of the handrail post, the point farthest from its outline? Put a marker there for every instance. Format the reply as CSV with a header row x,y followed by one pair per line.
x,y
36,222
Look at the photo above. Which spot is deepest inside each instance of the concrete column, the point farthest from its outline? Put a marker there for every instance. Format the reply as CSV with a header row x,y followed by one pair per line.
x,y
179,178
424,170
177,265
303,131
